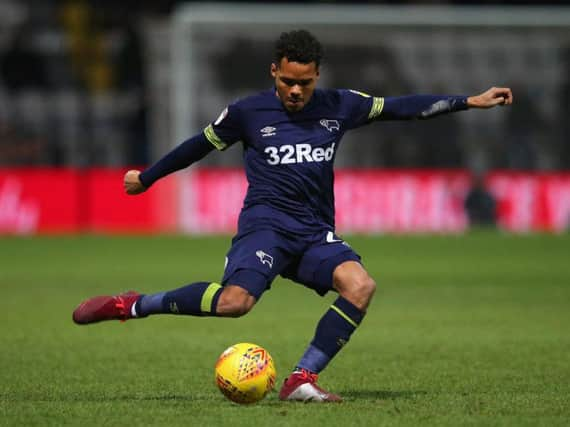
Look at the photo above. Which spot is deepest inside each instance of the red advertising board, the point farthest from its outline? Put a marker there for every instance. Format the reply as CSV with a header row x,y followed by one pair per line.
x,y
376,201
109,209
366,200
45,200
531,202
400,201
34,200
206,200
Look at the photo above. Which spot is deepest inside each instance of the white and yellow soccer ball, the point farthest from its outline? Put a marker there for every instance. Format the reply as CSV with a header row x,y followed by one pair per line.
x,y
245,373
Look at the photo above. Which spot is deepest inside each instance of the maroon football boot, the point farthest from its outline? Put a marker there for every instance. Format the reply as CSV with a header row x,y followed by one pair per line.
x,y
97,309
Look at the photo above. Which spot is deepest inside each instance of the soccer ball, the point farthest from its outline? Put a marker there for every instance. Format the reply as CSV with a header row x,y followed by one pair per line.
x,y
245,373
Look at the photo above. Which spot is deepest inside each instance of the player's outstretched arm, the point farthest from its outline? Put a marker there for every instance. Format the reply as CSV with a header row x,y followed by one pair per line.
x,y
491,98
428,106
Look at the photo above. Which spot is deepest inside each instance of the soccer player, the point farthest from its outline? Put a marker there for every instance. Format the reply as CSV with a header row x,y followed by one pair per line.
x,y
290,135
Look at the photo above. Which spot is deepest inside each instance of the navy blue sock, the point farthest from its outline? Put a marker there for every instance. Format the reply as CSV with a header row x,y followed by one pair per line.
x,y
333,332
196,299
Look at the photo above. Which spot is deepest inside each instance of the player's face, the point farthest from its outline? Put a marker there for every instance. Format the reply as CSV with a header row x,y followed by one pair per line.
x,y
295,83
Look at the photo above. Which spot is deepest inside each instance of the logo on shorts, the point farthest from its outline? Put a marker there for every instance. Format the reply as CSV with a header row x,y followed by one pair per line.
x,y
331,238
265,258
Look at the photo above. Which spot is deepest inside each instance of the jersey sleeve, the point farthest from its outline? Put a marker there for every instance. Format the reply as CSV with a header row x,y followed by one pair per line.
x,y
359,107
227,129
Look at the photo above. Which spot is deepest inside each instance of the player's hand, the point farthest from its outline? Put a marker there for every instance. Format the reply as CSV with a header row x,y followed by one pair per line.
x,y
491,98
132,183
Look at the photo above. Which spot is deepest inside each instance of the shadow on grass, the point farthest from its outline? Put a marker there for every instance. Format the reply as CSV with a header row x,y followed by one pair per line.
x,y
381,394
118,398
348,395
165,398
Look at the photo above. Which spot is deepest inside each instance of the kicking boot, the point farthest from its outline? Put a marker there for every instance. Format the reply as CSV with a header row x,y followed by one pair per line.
x,y
97,309
301,386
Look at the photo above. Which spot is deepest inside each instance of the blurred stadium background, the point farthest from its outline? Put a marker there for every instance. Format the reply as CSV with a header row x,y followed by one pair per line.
x,y
468,328
89,88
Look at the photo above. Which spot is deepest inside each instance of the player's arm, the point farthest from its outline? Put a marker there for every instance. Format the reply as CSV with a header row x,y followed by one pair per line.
x,y
225,131
428,106
190,151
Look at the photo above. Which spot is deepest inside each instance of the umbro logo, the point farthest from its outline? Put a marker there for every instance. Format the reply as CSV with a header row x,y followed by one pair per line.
x,y
173,308
268,131
330,124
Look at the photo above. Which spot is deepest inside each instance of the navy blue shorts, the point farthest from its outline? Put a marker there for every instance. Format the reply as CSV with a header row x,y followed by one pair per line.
x,y
256,258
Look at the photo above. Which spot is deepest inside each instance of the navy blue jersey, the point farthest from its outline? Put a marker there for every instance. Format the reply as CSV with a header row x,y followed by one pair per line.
x,y
289,157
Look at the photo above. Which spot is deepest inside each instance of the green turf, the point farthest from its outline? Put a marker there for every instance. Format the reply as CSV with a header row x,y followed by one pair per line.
x,y
465,330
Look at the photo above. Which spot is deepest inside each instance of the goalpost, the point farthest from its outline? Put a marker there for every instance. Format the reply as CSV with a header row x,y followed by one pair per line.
x,y
261,22
220,52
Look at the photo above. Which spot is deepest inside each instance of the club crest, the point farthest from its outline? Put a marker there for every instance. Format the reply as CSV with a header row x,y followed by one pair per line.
x,y
265,258
330,125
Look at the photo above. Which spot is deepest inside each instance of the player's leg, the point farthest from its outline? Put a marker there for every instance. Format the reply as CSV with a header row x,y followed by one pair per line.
x,y
196,299
249,272
339,269
200,299
355,288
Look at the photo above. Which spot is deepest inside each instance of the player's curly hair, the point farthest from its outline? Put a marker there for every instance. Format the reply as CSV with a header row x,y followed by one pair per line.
x,y
298,46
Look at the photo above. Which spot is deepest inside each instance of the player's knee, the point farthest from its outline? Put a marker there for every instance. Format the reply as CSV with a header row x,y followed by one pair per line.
x,y
361,292
367,287
235,308
363,287
355,284
238,308
234,302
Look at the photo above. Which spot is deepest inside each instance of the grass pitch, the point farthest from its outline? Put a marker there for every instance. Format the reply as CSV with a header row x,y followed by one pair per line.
x,y
464,330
